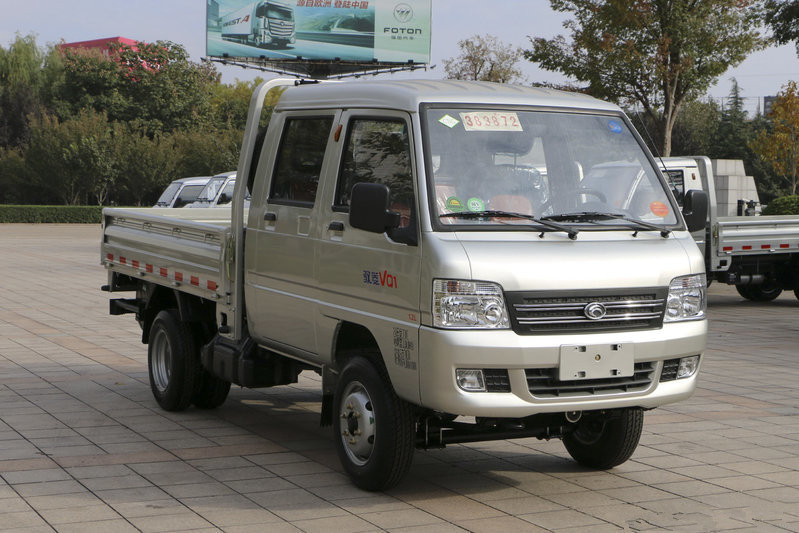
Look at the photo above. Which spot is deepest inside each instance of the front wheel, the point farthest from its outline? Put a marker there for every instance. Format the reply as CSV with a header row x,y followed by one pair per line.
x,y
764,292
604,442
173,361
374,429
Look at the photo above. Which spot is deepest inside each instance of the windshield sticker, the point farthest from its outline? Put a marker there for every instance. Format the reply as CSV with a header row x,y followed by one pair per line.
x,y
455,205
659,209
475,205
449,121
614,126
491,121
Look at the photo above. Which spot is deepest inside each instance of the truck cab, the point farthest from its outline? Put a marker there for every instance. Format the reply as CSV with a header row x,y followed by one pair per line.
x,y
415,225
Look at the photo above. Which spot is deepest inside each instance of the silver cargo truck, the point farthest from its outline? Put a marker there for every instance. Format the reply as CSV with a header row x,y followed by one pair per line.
x,y
757,254
430,249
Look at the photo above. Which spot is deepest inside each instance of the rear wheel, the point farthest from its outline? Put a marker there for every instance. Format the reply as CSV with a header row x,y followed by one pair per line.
x,y
211,391
605,442
172,361
373,428
764,292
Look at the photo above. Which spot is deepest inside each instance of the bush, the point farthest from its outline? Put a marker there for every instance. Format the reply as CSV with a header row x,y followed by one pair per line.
x,y
786,205
61,214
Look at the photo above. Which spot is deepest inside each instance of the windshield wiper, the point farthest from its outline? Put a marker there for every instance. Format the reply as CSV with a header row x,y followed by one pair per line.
x,y
593,216
552,226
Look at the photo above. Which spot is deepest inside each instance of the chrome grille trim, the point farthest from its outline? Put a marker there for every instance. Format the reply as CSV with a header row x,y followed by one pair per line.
x,y
628,304
535,313
569,320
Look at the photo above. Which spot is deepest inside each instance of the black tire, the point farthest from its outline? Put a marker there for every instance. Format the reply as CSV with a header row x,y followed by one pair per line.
x,y
373,429
765,292
211,391
173,361
605,442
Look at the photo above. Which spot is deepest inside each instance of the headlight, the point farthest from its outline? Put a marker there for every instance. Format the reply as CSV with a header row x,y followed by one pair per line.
x,y
687,298
468,305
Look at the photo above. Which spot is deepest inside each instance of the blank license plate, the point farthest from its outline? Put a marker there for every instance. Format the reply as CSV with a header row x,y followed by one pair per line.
x,y
596,361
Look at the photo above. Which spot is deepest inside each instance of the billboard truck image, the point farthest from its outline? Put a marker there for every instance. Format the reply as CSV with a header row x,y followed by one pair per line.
x,y
320,37
263,24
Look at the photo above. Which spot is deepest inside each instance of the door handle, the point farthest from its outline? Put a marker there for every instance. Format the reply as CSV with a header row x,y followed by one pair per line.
x,y
270,217
336,226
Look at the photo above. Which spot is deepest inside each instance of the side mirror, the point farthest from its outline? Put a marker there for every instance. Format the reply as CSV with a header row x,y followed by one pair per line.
x,y
369,208
694,209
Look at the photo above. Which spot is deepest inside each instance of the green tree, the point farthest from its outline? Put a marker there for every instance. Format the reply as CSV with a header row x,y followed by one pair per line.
x,y
485,58
782,16
72,160
206,152
734,130
779,145
695,128
655,53
154,83
146,166
14,178
27,74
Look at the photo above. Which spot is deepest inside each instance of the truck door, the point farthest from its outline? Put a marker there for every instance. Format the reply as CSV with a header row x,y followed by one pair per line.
x,y
372,279
281,276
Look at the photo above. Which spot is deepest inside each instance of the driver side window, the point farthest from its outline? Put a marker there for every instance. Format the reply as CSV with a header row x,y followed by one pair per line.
x,y
378,151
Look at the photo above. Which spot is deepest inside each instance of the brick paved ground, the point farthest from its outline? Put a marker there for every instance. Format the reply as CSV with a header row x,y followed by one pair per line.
x,y
83,446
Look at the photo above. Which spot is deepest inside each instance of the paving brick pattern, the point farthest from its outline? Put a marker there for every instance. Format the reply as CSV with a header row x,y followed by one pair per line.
x,y
84,447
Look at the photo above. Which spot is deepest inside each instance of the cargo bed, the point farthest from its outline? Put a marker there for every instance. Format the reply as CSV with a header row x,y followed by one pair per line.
x,y
740,236
174,247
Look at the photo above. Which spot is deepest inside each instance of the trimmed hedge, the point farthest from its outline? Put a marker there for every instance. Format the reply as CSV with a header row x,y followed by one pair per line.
x,y
55,214
786,205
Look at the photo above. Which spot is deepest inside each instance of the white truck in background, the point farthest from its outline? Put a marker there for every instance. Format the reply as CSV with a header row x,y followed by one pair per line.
x,y
757,254
261,24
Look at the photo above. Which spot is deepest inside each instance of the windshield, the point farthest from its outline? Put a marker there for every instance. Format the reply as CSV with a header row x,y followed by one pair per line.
x,y
280,13
211,189
226,196
170,192
540,164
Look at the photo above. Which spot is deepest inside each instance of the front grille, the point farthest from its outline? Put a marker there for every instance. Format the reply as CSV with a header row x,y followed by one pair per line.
x,y
669,372
535,313
281,29
544,383
497,380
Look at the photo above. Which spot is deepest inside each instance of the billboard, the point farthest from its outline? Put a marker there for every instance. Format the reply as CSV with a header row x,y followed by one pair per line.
x,y
383,31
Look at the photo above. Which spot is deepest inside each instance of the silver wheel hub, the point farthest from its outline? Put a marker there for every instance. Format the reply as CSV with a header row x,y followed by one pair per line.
x,y
161,360
357,423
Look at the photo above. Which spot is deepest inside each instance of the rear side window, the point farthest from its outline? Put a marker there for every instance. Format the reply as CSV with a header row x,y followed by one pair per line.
x,y
299,160
378,151
676,180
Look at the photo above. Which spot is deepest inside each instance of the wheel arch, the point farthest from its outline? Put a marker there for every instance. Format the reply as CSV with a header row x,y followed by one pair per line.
x,y
191,309
349,340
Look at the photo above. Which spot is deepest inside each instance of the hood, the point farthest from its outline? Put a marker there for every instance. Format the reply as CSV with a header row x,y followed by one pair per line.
x,y
594,260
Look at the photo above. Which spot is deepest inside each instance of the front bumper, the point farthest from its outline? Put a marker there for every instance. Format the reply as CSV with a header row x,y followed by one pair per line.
x,y
443,351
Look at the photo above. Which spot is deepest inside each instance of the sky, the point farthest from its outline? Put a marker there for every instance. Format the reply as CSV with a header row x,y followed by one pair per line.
x,y
512,21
